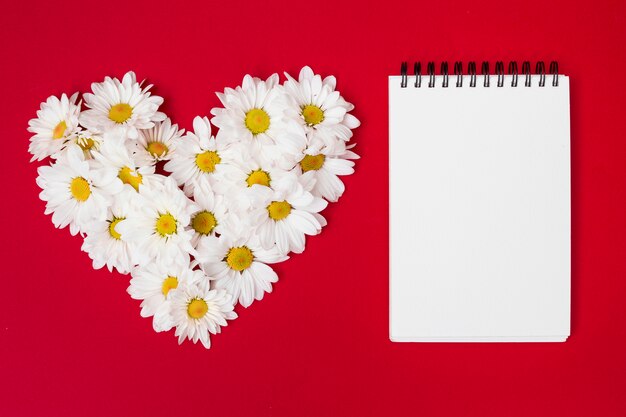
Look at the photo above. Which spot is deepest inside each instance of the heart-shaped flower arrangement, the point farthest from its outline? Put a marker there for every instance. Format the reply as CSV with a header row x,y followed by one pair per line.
x,y
196,219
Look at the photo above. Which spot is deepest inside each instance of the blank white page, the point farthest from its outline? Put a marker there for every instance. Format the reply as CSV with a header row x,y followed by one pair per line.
x,y
479,182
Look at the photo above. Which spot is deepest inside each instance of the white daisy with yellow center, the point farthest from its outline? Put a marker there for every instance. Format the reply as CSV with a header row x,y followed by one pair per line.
x,y
288,214
157,143
76,192
124,105
198,311
212,214
103,243
88,142
322,166
159,229
115,154
239,265
200,155
56,121
253,113
316,105
244,185
155,283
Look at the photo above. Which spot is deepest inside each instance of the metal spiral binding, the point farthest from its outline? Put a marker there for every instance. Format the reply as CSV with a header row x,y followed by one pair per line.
x,y
444,72
471,69
485,72
513,72
526,72
500,73
417,69
431,74
540,69
458,71
403,69
554,70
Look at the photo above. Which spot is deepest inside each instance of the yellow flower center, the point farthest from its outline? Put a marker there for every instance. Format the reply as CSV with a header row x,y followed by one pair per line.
x,y
258,177
79,187
197,308
59,130
121,112
312,162
156,148
257,121
206,161
312,114
166,225
169,283
131,177
278,210
86,143
204,222
239,258
112,225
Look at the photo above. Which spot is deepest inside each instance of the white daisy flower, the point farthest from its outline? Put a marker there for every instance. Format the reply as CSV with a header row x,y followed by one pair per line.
x,y
318,107
157,143
253,114
154,285
197,311
159,227
76,193
255,171
103,242
56,121
239,266
199,155
211,217
87,141
321,165
113,153
121,105
289,213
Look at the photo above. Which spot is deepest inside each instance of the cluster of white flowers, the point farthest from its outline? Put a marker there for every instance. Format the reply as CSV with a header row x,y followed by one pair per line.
x,y
195,218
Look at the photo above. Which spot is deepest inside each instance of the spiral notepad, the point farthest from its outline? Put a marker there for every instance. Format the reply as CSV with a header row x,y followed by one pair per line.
x,y
479,180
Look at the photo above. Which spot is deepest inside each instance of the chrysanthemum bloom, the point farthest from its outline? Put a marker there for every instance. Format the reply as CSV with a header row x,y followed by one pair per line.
x,y
76,191
323,165
239,266
253,114
124,105
199,154
159,229
157,143
103,243
212,214
56,121
198,311
287,214
154,284
318,107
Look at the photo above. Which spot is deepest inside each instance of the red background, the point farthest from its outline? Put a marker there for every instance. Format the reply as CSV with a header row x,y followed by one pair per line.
x,y
72,341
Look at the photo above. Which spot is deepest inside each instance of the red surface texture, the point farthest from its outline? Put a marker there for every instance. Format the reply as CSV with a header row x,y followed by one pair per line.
x,y
72,342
